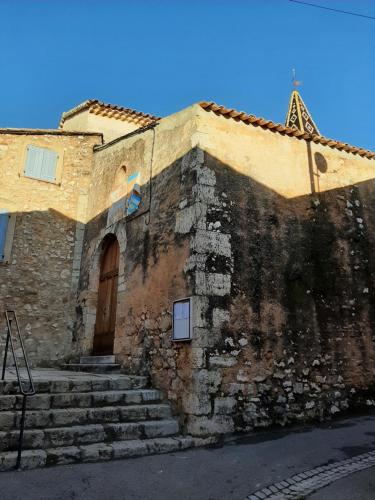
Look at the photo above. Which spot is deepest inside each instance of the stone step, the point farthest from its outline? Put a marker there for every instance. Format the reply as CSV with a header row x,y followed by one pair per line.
x,y
32,459
93,367
46,401
87,434
84,417
94,360
78,416
83,383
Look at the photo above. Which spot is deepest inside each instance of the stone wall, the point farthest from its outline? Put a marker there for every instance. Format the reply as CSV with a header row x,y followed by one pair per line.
x,y
40,280
281,257
272,238
286,287
111,128
152,253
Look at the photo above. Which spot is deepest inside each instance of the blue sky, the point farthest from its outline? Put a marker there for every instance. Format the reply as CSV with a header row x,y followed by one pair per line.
x,y
161,56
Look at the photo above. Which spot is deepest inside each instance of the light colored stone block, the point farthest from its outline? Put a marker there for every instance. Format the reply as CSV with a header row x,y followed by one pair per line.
x,y
211,242
212,284
95,452
126,449
64,455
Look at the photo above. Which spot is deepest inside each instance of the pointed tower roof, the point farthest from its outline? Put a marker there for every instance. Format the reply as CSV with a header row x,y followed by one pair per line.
x,y
298,115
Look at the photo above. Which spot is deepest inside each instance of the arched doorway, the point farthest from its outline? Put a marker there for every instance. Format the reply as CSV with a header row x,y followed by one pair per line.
x,y
104,333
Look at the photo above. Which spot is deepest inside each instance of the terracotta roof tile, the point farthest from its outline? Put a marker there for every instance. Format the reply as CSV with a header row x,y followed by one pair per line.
x,y
278,127
112,111
46,131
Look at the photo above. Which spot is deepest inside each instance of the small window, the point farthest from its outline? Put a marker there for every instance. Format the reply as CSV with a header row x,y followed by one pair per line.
x,y
41,163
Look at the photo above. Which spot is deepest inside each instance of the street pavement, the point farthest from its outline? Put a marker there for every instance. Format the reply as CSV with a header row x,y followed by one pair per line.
x,y
230,472
358,486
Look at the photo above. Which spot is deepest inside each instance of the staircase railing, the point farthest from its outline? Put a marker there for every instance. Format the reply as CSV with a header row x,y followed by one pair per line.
x,y
26,386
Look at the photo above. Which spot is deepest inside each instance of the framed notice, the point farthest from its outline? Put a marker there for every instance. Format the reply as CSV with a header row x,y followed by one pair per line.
x,y
182,320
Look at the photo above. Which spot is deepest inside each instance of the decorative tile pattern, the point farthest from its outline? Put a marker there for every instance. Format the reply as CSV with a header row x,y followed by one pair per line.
x,y
298,116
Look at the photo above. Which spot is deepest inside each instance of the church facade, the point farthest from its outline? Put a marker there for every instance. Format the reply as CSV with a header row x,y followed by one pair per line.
x,y
226,257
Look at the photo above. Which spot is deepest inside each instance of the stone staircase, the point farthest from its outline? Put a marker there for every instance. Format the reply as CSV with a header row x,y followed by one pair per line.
x,y
95,364
83,417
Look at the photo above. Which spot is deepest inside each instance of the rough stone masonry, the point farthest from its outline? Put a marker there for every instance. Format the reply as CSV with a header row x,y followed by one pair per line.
x,y
39,275
271,236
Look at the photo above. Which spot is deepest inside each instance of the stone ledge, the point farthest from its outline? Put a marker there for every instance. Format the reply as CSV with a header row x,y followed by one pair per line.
x,y
96,452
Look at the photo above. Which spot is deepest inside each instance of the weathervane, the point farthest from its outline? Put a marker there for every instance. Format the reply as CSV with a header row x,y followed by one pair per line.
x,y
298,116
296,83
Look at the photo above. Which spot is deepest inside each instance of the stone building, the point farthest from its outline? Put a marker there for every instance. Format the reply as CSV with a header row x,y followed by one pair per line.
x,y
228,258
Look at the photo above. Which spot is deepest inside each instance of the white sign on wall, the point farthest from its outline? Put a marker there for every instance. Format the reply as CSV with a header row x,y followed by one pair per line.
x,y
182,319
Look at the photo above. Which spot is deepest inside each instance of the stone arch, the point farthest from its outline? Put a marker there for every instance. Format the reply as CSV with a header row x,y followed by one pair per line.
x,y
120,176
90,296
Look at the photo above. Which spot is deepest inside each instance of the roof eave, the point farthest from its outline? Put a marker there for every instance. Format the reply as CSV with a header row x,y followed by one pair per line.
x,y
230,113
116,112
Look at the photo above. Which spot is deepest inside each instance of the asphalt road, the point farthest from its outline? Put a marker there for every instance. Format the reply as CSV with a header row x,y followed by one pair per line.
x,y
230,472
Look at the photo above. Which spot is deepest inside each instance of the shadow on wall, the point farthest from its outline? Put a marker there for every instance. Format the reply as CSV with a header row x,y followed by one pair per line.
x,y
301,285
151,270
39,284
301,304
317,166
301,282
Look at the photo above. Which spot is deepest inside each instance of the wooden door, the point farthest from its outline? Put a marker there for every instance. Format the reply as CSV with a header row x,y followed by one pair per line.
x,y
107,299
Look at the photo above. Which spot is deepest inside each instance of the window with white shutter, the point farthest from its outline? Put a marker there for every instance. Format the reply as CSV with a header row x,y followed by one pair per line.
x,y
41,163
